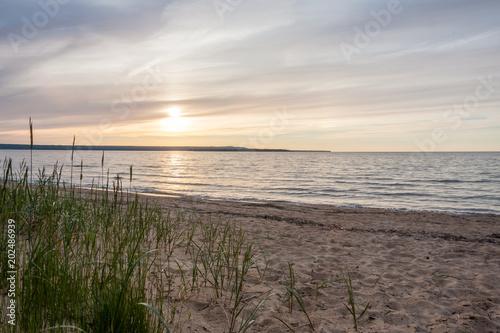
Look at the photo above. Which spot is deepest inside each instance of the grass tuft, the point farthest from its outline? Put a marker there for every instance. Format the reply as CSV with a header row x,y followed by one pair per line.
x,y
351,306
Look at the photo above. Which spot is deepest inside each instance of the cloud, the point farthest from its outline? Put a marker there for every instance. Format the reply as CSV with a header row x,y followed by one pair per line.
x,y
231,69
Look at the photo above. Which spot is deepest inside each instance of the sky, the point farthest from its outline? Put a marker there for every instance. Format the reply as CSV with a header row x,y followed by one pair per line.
x,y
340,75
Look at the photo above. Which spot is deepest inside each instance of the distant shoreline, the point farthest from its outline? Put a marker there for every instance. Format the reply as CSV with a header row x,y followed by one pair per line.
x,y
4,146
151,148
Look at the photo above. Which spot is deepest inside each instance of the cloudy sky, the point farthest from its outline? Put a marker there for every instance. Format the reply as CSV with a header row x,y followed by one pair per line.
x,y
341,75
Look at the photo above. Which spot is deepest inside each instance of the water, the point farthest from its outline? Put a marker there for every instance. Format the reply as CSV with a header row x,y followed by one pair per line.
x,y
452,182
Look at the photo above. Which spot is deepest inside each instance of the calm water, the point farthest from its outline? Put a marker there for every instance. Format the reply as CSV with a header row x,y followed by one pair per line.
x,y
455,182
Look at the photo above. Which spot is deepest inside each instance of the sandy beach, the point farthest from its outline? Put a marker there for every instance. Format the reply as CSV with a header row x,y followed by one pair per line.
x,y
419,271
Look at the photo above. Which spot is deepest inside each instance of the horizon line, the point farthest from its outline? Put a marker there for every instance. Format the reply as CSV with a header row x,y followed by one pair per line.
x,y
150,148
15,146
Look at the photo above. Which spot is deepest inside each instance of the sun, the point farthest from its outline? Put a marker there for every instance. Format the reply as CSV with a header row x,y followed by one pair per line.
x,y
175,122
174,111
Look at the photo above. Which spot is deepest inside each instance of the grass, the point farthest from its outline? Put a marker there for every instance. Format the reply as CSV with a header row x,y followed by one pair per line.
x,y
292,294
318,287
351,306
78,259
290,286
438,274
302,306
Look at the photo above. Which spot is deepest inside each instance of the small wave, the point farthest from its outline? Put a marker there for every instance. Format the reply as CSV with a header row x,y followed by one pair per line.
x,y
404,194
293,189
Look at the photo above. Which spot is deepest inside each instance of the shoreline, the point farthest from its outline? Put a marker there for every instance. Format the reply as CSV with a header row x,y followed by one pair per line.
x,y
288,210
180,196
289,203
341,181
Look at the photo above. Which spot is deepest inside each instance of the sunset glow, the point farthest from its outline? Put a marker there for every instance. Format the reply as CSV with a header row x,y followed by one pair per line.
x,y
175,122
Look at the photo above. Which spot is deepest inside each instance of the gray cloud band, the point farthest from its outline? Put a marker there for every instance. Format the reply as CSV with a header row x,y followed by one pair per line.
x,y
373,28
33,25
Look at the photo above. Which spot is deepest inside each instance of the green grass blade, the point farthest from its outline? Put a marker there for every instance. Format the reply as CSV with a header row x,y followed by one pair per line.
x,y
287,326
157,314
246,325
301,304
125,282
362,313
348,309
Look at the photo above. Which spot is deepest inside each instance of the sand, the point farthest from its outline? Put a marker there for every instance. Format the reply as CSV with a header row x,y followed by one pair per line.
x,y
419,271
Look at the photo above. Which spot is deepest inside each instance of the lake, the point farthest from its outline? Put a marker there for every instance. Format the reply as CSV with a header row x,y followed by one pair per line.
x,y
457,182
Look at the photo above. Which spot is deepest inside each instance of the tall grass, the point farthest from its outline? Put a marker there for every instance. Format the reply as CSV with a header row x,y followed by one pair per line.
x,y
83,255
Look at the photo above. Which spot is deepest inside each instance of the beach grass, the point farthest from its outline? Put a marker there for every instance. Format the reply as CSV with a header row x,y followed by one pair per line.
x,y
352,307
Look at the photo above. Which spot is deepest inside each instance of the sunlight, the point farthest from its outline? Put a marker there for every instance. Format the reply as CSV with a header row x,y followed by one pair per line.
x,y
175,122
174,111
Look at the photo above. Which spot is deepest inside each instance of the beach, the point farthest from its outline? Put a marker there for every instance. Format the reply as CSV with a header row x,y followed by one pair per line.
x,y
419,271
